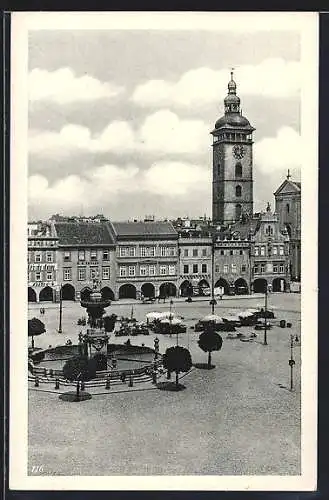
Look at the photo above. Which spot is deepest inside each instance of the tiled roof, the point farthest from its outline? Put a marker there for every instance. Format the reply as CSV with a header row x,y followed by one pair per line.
x,y
140,229
83,233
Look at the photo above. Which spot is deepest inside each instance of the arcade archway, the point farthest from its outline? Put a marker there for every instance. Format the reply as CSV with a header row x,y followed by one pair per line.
x,y
148,290
241,287
186,289
278,285
85,293
31,295
68,292
127,291
168,290
46,294
223,283
260,285
107,293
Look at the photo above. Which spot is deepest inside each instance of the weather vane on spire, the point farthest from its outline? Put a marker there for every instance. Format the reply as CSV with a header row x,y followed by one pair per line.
x,y
232,70
288,175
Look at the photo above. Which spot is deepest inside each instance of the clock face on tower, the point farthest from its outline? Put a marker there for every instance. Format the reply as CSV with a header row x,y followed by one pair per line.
x,y
238,152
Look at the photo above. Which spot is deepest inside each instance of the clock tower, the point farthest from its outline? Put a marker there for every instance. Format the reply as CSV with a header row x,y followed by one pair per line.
x,y
232,194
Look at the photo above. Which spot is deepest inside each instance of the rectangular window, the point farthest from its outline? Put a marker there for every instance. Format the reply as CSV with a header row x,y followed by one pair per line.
x,y
143,270
152,270
49,276
163,270
262,251
122,271
163,251
67,274
106,273
172,270
275,250
233,267
122,251
93,255
241,252
204,268
195,252
281,250
185,252
151,251
216,268
67,256
171,252
49,257
186,268
37,257
231,252
106,255
275,267
262,268
143,251
132,251
222,252
131,271
225,269
38,276
81,274
204,252
243,268
93,273
195,268
256,251
81,255
281,269
256,270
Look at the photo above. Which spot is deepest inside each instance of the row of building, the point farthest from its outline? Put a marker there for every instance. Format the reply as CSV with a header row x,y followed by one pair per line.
x,y
151,259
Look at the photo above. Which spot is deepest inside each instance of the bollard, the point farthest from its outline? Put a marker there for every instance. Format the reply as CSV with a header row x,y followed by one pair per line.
x,y
57,383
36,381
108,383
82,385
154,377
131,382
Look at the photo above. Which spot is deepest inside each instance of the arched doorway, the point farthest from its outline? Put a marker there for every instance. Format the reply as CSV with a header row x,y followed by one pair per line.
x,y
241,287
85,293
148,290
186,289
167,290
204,287
223,283
31,295
107,293
260,285
127,291
68,292
278,285
46,294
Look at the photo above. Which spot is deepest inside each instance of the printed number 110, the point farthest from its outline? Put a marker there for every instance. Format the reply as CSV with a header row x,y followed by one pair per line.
x,y
37,469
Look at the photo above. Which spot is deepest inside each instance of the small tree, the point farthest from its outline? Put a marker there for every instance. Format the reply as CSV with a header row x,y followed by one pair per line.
x,y
210,341
109,322
177,359
35,327
79,368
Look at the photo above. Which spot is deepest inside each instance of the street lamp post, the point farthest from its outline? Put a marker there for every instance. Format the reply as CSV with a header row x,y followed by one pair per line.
x,y
213,301
170,317
60,309
265,314
291,362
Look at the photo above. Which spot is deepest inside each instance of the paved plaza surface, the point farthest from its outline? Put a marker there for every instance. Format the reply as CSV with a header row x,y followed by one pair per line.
x,y
238,419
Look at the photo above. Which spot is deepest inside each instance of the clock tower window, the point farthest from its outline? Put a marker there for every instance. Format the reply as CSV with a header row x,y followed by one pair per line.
x,y
238,191
238,170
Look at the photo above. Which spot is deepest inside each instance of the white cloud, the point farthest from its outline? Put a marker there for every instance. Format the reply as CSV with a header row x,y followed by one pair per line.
x,y
161,132
108,183
274,77
63,86
279,153
177,178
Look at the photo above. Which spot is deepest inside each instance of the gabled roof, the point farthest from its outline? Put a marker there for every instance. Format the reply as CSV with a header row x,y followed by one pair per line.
x,y
288,187
83,233
125,230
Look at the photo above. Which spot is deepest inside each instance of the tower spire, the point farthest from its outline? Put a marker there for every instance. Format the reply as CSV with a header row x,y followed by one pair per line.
x,y
288,175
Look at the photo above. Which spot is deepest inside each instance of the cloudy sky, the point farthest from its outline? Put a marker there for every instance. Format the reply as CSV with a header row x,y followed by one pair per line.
x,y
119,121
